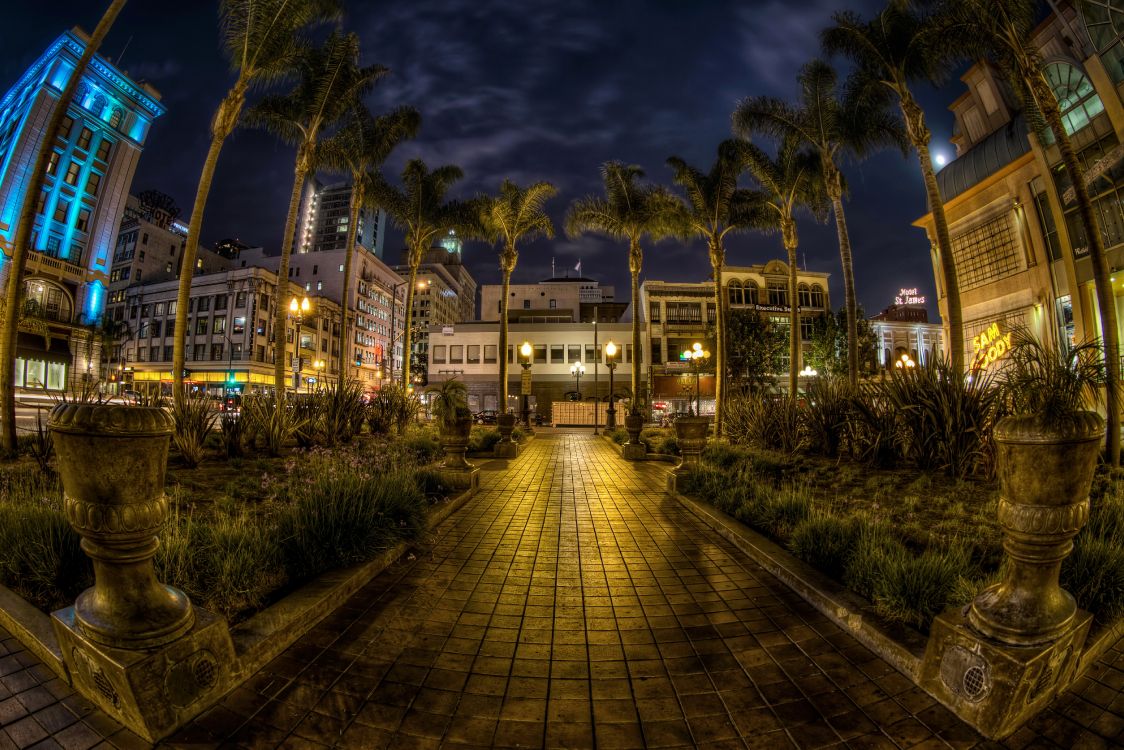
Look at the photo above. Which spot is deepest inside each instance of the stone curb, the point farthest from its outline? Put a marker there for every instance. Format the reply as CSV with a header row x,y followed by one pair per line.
x,y
903,648
664,457
33,630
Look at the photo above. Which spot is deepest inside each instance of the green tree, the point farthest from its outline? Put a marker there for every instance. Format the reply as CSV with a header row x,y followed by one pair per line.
x,y
715,207
21,245
358,149
828,346
791,182
754,350
420,210
1002,30
261,40
629,212
836,125
330,83
514,214
900,47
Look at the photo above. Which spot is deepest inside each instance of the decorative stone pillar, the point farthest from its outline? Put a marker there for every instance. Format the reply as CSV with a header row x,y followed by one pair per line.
x,y
1004,657
134,646
506,447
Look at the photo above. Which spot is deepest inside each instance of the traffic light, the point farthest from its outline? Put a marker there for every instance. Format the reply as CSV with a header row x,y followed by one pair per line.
x,y
230,379
186,374
358,361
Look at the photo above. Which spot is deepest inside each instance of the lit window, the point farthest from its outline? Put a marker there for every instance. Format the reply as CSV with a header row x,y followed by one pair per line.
x,y
61,207
72,170
1078,100
84,139
93,182
83,223
65,126
53,163
103,150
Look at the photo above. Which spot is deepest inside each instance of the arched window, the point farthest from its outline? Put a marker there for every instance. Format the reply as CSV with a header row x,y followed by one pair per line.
x,y
734,289
751,293
778,293
116,118
1078,100
817,296
804,294
42,299
98,103
1104,20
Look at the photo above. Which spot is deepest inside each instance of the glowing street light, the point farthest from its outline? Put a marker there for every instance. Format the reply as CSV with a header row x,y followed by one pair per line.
x,y
695,356
526,352
905,362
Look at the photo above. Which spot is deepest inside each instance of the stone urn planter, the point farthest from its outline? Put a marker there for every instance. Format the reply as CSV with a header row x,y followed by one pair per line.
x,y
506,447
454,441
691,434
634,450
111,460
1045,471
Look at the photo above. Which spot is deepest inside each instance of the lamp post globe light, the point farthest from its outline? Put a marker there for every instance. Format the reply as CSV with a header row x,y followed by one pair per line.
x,y
611,350
577,370
905,362
696,356
298,309
526,352
317,365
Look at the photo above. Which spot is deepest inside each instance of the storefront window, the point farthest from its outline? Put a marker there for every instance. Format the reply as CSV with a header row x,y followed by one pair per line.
x,y
56,376
36,374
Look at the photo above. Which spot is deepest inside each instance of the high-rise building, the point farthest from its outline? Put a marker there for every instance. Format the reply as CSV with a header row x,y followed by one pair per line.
x,y
79,210
323,220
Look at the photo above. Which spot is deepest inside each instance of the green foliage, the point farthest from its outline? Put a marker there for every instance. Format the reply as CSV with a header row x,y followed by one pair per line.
x,y
914,589
308,413
194,419
423,445
825,542
1038,379
41,559
344,519
764,420
391,406
618,435
233,428
274,426
659,441
827,347
827,412
755,348
450,402
344,411
38,444
483,441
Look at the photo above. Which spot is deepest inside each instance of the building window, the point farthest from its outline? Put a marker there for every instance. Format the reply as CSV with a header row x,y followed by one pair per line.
x,y
806,328
438,351
93,182
554,304
53,246
72,170
154,354
204,304
103,150
985,253
66,126
169,352
540,354
239,327
216,352
53,163
220,301
220,325
557,354
654,312
490,354
1104,20
734,292
574,353
804,295
83,222
199,351
240,300
818,296
456,354
201,326
84,139
778,294
156,324
1078,100
61,207
473,354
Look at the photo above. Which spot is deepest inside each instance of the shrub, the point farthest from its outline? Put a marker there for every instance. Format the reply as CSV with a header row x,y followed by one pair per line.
x,y
38,444
343,411
431,483
875,550
275,426
872,428
618,435
721,454
483,441
826,413
40,555
913,589
194,419
390,407
343,519
825,542
233,429
423,446
659,441
780,511
768,421
1094,574
308,411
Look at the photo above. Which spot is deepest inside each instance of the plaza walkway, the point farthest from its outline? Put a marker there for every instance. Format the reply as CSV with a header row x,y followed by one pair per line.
x,y
570,604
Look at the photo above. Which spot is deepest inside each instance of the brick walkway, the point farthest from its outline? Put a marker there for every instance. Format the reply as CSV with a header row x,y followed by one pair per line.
x,y
571,604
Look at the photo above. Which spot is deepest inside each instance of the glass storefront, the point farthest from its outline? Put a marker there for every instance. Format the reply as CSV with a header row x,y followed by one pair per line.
x,y
38,374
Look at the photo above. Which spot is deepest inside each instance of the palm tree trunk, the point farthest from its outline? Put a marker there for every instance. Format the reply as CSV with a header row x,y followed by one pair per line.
x,y
226,117
835,191
635,262
788,229
502,354
717,260
919,135
357,198
279,305
415,261
20,245
1102,282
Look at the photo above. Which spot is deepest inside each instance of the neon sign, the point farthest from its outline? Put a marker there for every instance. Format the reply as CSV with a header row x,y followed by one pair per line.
x,y
909,297
991,345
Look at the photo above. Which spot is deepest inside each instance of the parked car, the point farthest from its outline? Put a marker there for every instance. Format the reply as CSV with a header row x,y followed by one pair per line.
x,y
488,416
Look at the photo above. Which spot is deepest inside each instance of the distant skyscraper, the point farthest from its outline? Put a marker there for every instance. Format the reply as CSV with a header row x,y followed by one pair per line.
x,y
79,211
324,215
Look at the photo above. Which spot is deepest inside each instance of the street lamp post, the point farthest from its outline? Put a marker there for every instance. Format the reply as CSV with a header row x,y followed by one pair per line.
x,y
318,366
526,352
298,309
577,370
611,350
695,356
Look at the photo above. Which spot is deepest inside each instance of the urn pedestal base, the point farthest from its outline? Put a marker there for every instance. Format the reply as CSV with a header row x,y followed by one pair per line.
x,y
994,686
506,449
632,452
152,691
461,479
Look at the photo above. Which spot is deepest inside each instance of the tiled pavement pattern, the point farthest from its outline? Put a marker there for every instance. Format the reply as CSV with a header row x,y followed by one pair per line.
x,y
570,604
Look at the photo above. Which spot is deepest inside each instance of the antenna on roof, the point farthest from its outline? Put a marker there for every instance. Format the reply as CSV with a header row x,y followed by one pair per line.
x,y
122,53
552,268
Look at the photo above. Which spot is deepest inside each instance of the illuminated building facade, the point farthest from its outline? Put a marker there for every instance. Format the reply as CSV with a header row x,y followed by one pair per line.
x,y
903,333
1021,254
559,299
79,211
323,218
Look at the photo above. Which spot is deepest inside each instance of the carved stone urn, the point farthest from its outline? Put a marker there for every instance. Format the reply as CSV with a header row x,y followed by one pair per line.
x,y
454,441
505,424
1045,471
634,424
690,433
112,460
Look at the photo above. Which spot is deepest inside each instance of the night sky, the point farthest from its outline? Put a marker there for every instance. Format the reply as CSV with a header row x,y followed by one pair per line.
x,y
529,90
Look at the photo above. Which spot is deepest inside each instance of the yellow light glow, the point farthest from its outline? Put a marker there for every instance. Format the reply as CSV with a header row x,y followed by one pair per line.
x,y
525,349
610,350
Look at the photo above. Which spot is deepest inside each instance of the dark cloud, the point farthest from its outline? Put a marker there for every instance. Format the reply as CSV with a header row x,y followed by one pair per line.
x,y
530,90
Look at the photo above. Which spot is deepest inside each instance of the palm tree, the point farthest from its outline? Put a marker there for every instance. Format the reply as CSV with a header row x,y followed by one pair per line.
x,y
359,149
261,39
630,211
895,49
330,83
715,207
420,210
513,215
22,241
1002,30
792,181
835,126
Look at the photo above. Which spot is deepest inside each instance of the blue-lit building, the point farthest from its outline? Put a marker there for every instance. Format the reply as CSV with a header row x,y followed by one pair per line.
x,y
80,207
